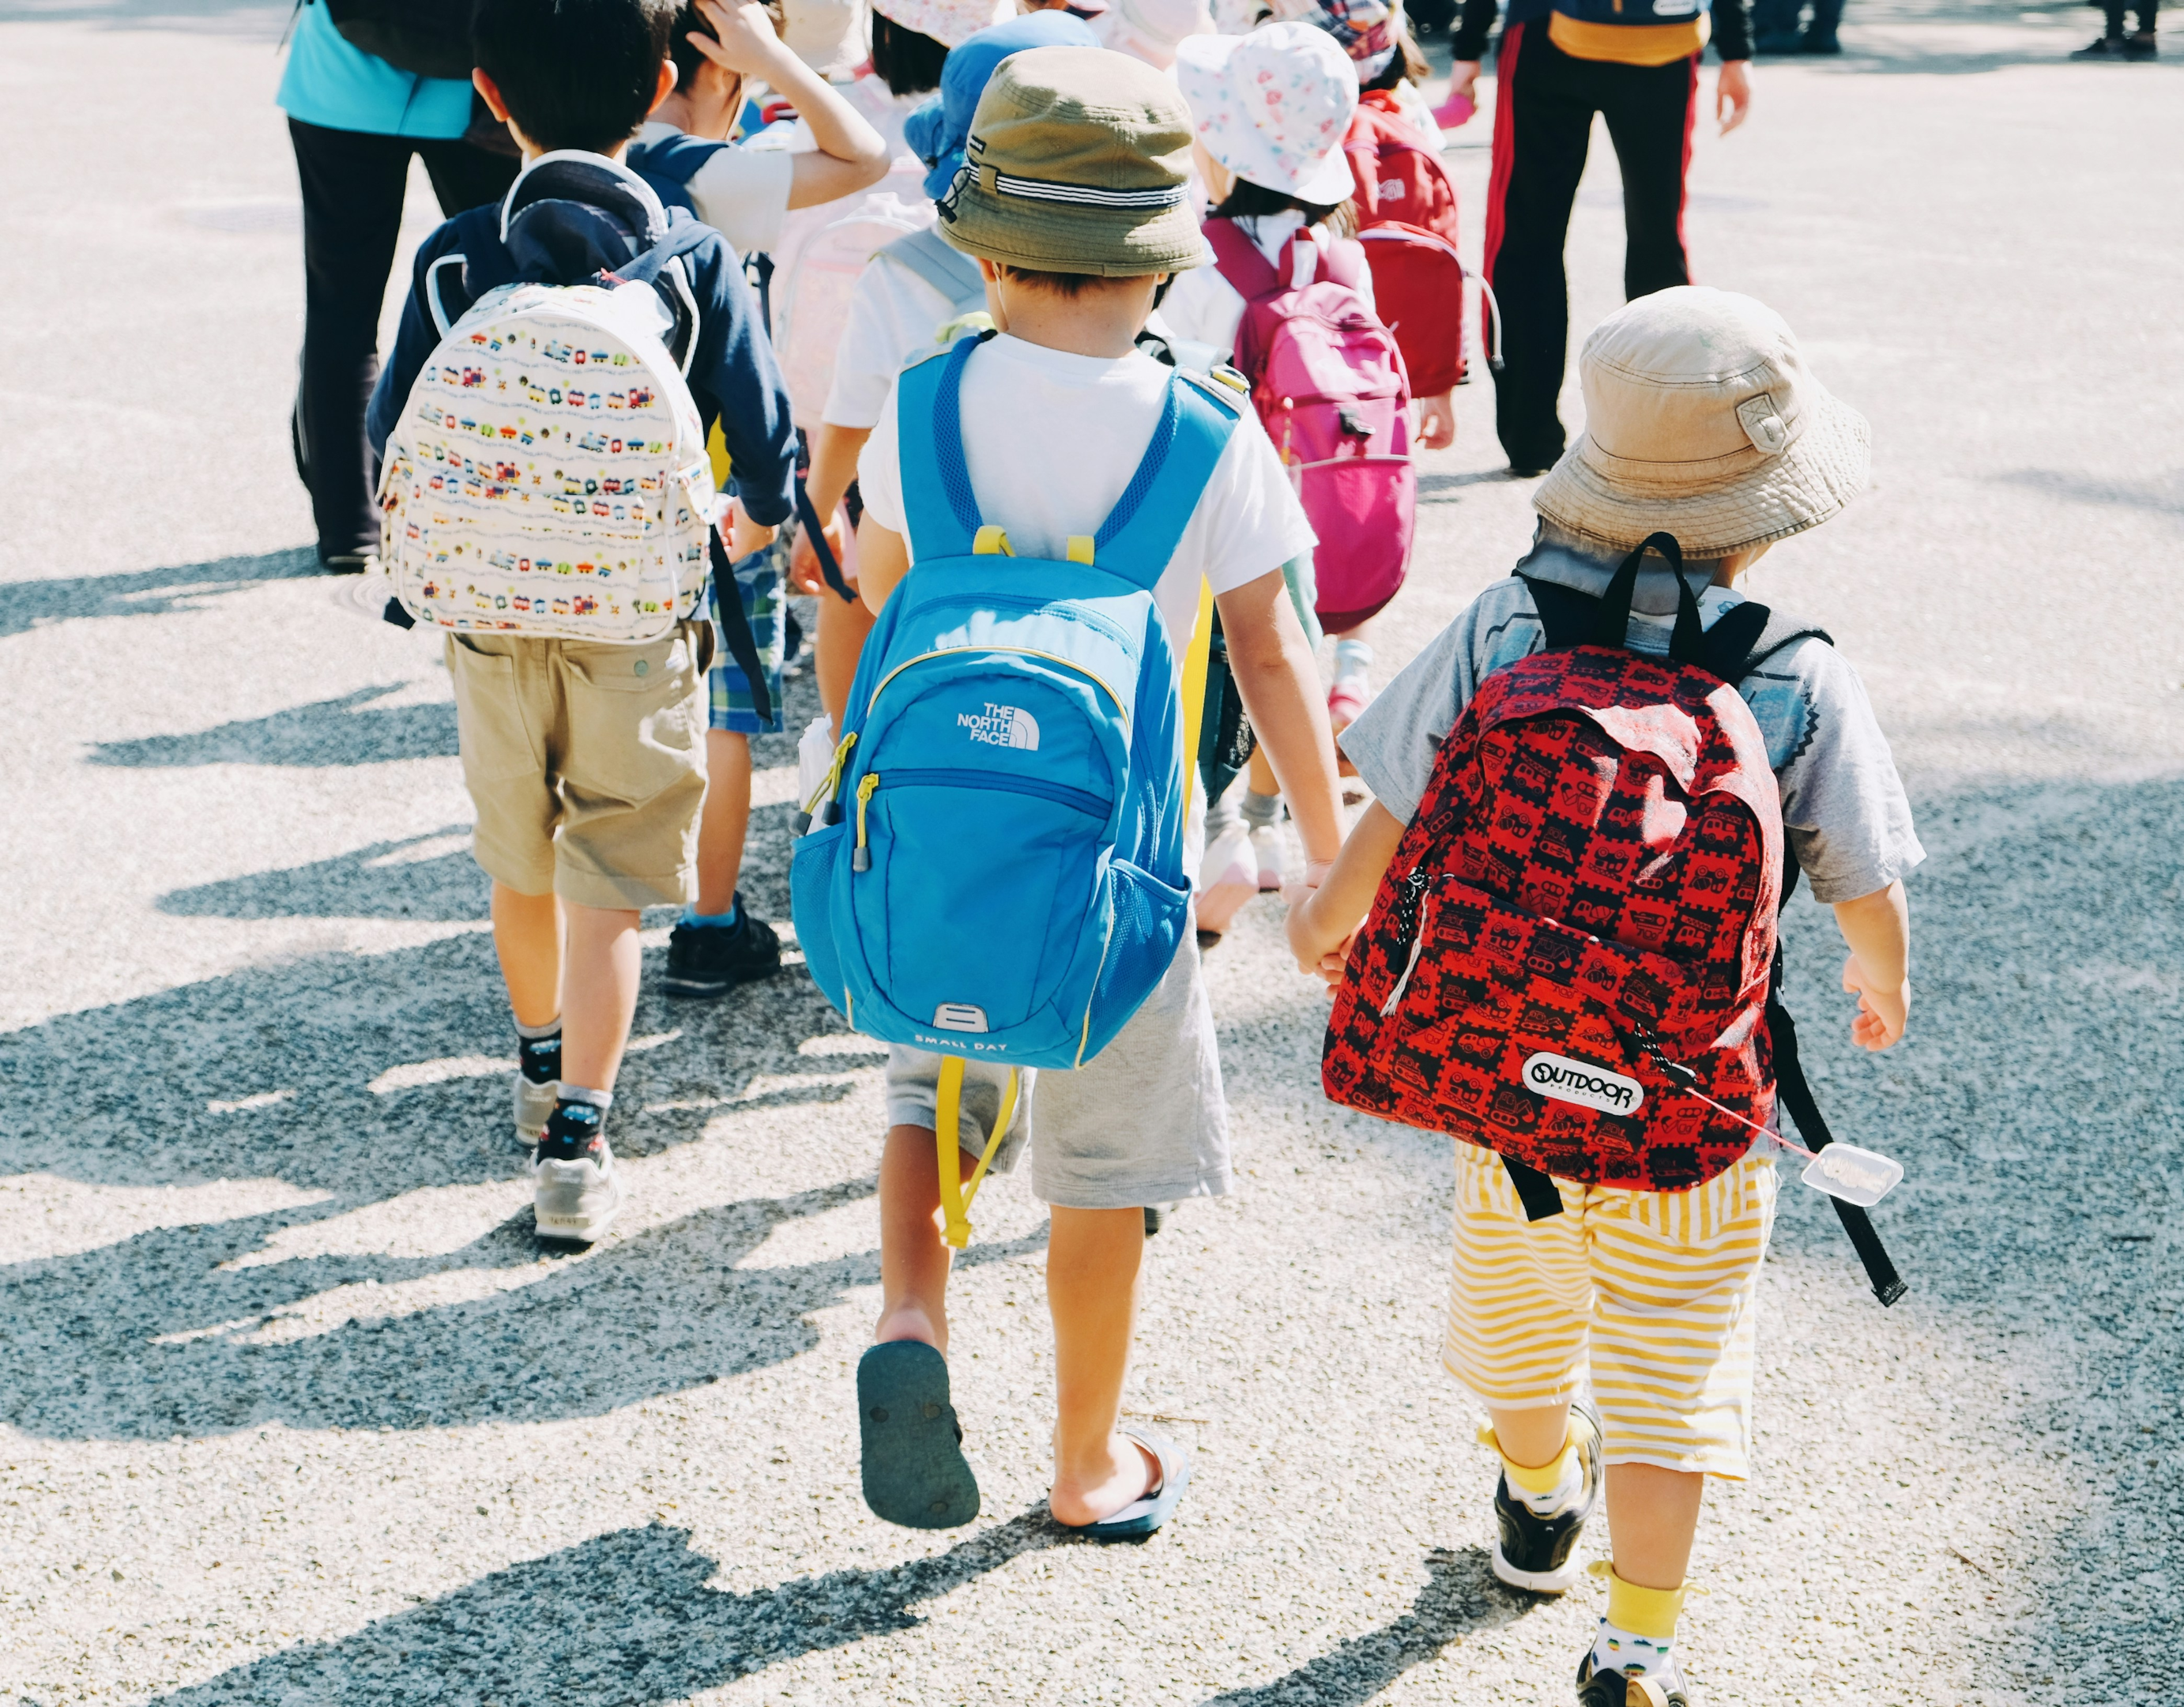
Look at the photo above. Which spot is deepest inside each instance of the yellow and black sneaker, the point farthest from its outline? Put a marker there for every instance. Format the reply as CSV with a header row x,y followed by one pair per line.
x,y
1535,1549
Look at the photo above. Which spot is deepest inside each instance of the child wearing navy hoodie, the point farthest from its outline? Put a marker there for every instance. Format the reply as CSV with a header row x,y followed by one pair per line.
x,y
588,800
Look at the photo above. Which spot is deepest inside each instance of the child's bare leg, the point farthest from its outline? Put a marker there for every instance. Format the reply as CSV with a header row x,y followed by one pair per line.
x,y
725,820
1092,1262
914,1258
527,935
842,631
1533,1436
1653,1516
600,998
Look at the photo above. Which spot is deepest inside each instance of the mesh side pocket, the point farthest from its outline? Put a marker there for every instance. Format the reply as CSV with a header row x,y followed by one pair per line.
x,y
1148,928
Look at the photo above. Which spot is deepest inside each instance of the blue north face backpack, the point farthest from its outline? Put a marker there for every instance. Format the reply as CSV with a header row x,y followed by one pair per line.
x,y
992,868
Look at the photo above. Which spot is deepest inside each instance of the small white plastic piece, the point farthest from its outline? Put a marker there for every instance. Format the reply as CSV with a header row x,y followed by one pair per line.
x,y
1862,1177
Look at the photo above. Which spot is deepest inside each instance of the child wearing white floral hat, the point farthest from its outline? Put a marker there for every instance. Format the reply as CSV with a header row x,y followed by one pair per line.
x,y
1270,110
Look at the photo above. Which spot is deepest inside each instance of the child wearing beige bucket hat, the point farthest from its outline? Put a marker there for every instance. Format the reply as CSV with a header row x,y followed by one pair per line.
x,y
1702,421
1071,197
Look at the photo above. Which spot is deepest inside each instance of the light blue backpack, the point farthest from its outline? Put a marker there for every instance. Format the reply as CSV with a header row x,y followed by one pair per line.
x,y
992,868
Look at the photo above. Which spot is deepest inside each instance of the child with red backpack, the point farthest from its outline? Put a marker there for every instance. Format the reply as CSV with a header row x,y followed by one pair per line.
x,y
1573,868
1290,296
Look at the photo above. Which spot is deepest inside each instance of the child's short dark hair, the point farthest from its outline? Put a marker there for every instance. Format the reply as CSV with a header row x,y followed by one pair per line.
x,y
908,63
689,61
574,73
1249,201
1071,285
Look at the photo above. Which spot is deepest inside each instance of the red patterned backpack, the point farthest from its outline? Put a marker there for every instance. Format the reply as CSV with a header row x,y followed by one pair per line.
x,y
1578,924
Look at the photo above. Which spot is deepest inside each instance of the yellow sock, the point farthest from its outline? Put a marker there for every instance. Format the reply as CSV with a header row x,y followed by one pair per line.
x,y
1650,1613
1540,1478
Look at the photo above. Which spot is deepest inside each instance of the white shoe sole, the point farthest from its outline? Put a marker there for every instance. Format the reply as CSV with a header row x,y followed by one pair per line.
x,y
1537,1582
584,1227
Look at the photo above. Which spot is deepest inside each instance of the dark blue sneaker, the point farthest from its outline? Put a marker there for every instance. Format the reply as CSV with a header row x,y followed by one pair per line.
x,y
707,960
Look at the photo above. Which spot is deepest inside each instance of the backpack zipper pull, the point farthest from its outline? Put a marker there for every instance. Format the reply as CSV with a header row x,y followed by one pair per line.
x,y
861,860
821,807
1414,889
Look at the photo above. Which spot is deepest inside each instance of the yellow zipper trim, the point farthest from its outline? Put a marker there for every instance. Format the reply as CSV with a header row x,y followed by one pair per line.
x,y
1018,651
832,779
861,859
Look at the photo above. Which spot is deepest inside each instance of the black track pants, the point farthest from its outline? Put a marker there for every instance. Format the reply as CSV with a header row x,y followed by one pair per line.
x,y
353,183
1542,123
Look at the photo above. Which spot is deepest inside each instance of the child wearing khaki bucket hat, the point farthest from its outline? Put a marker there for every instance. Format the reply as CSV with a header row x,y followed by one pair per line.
x,y
1703,422
1072,196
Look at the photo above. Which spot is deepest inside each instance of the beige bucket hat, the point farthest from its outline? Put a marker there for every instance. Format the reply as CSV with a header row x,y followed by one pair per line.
x,y
1077,162
1702,420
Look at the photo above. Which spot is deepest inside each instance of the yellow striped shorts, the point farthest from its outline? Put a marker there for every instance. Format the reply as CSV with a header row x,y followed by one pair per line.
x,y
1652,1294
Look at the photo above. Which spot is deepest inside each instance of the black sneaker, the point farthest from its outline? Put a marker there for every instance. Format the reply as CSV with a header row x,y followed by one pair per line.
x,y
2103,47
1534,1552
1810,44
705,960
2142,45
1613,1689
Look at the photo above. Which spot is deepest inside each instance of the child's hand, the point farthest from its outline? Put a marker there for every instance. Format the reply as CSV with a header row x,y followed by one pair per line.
x,y
1881,1011
1437,422
748,44
744,535
804,574
1319,953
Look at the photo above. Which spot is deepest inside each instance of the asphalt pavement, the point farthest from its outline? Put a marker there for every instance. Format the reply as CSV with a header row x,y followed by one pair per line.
x,y
293,1411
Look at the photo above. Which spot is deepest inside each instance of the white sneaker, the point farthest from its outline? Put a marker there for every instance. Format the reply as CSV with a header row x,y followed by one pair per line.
x,y
1267,848
574,1191
1228,878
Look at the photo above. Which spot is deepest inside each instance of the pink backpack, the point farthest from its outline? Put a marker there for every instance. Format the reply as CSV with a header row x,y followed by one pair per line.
x,y
1331,390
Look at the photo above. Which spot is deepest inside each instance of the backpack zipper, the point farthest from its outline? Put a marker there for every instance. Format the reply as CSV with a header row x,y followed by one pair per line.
x,y
1083,799
821,805
861,860
1410,923
1015,651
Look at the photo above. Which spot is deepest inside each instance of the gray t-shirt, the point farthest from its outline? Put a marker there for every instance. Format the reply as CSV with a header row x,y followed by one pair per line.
x,y
1843,806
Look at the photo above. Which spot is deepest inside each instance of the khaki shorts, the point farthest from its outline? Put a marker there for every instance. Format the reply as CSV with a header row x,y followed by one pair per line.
x,y
587,763
1649,1296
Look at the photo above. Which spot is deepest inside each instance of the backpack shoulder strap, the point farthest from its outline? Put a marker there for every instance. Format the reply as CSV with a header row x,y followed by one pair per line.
x,y
1237,259
949,270
1141,533
1747,635
939,506
1342,260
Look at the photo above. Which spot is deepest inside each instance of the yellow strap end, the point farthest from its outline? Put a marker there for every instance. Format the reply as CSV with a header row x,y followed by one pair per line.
x,y
991,542
1080,548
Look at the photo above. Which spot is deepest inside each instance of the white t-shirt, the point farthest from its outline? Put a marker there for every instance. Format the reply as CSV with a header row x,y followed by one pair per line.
x,y
1052,438
895,316
1204,306
742,194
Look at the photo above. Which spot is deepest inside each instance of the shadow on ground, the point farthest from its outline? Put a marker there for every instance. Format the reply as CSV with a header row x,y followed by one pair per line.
x,y
1461,1598
146,593
351,730
624,1619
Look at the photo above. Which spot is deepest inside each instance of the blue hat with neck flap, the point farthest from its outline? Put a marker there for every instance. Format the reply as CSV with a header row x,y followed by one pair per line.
x,y
937,130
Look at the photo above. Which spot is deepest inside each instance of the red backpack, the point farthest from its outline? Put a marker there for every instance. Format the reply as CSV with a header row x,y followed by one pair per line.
x,y
1406,221
1590,885
1330,390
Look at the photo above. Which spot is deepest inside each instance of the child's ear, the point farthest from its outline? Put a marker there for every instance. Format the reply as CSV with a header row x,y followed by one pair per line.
x,y
665,88
490,91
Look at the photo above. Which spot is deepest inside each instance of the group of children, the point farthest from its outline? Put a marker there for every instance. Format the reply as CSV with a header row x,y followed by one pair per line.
x,y
1610,1337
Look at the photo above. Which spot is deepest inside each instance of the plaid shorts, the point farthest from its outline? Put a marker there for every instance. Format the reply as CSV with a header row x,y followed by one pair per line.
x,y
758,581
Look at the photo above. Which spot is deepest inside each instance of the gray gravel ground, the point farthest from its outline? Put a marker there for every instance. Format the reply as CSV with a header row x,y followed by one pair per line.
x,y
291,1412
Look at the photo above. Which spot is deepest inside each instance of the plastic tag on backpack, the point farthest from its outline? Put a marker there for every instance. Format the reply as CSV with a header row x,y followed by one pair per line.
x,y
1862,1177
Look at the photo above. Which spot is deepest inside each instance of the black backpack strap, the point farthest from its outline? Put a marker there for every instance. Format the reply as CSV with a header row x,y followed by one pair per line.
x,y
1537,1191
1747,635
743,644
808,514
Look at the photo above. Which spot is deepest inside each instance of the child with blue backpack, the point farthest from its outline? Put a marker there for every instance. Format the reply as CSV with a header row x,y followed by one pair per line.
x,y
993,882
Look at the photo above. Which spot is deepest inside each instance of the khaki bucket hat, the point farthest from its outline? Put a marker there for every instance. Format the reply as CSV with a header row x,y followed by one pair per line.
x,y
1077,162
1701,418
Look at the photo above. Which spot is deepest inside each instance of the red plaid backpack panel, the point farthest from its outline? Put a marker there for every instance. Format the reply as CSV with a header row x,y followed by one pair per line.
x,y
1595,867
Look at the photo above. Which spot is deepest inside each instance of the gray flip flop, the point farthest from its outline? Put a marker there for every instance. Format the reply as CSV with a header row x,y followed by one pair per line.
x,y
1142,1517
914,1469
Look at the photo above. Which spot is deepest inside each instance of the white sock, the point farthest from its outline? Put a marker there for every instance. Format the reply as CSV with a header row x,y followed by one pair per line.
x,y
1353,660
1615,1649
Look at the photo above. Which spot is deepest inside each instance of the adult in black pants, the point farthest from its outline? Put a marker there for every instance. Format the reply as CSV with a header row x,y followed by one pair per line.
x,y
355,120
1555,68
352,187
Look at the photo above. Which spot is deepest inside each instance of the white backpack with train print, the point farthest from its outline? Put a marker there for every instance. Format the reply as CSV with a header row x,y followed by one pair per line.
x,y
548,474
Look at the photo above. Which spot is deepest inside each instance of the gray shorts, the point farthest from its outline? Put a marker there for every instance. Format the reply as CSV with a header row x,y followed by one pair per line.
x,y
1143,1122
